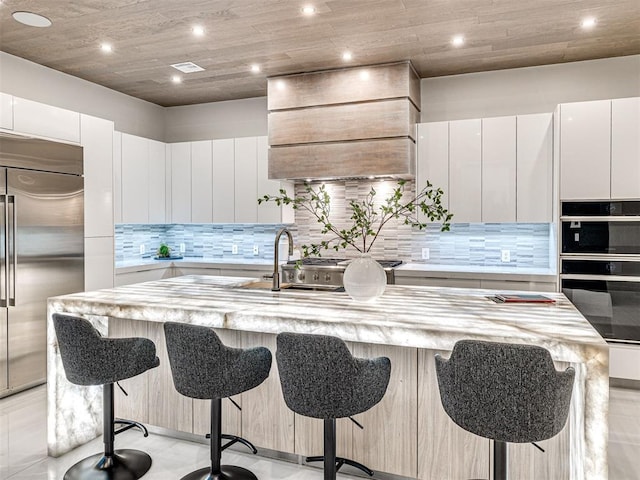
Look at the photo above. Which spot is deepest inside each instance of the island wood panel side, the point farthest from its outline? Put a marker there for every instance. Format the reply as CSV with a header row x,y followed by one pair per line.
x,y
231,416
266,420
526,461
135,405
309,433
167,408
395,156
445,451
388,442
382,119
359,84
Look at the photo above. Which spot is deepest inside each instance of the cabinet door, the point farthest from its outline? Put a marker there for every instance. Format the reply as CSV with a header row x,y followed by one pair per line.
x,y
269,212
181,182
6,111
157,207
201,182
246,180
625,148
433,158
45,120
97,142
223,181
465,170
534,179
117,177
585,150
135,180
98,263
499,169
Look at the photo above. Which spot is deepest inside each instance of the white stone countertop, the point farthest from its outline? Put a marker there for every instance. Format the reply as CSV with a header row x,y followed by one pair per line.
x,y
409,316
404,270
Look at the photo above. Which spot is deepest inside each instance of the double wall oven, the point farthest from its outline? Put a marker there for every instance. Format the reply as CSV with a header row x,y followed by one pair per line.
x,y
600,265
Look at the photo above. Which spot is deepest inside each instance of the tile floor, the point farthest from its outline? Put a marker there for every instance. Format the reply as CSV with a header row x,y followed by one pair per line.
x,y
23,446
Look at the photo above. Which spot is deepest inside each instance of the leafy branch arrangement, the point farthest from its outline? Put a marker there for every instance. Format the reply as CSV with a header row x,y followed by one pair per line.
x,y
368,220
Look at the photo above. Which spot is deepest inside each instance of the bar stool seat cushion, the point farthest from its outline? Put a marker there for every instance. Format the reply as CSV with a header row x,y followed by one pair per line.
x,y
90,359
321,379
203,367
505,392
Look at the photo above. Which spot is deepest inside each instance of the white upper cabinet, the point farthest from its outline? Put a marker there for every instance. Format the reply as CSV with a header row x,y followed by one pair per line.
x,y
433,158
269,212
97,143
534,170
157,178
585,150
499,169
135,180
6,111
181,182
117,177
465,170
246,180
223,181
202,182
44,120
625,148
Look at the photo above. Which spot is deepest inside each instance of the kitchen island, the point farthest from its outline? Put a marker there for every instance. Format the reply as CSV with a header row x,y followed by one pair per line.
x,y
407,434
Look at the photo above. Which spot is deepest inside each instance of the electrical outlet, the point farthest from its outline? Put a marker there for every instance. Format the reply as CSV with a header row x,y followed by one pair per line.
x,y
182,248
234,249
256,250
505,255
143,250
425,253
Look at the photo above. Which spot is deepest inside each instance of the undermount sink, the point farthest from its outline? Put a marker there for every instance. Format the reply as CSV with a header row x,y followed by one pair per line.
x,y
292,287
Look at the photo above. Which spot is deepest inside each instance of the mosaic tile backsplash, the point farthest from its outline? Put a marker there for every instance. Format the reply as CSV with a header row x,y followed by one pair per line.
x,y
474,244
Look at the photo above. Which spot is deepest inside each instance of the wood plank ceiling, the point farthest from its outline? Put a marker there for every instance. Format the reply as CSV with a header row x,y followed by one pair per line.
x,y
150,35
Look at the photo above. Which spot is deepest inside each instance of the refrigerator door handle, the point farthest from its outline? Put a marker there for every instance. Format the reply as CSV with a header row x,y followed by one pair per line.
x,y
13,250
4,273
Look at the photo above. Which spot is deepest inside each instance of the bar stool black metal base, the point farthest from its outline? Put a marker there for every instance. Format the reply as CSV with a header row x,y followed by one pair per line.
x,y
340,461
228,472
125,464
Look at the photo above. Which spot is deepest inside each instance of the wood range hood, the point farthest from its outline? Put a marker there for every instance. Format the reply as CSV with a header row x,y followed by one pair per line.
x,y
355,122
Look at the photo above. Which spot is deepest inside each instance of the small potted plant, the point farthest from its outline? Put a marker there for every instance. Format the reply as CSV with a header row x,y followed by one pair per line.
x,y
164,251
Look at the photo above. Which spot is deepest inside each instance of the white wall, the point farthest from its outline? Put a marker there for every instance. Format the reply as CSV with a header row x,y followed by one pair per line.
x,y
528,90
32,81
206,121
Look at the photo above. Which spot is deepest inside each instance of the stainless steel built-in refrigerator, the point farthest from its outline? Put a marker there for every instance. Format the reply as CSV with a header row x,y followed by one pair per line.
x,y
41,249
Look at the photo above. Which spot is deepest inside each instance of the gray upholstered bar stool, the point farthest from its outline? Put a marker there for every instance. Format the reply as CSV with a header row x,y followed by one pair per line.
x,y
504,392
203,367
321,379
90,359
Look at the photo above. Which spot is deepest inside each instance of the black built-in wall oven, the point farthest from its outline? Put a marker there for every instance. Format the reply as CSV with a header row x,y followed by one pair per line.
x,y
600,265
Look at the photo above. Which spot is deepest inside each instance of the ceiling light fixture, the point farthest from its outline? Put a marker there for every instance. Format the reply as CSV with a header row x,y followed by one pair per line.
x,y
31,19
457,41
308,10
346,56
255,68
106,47
176,79
198,30
588,22
364,75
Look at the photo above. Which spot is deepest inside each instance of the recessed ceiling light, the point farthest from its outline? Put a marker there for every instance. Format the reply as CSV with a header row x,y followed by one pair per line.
x,y
198,30
346,56
588,22
364,75
106,47
457,41
255,68
31,19
187,67
280,85
309,10
176,79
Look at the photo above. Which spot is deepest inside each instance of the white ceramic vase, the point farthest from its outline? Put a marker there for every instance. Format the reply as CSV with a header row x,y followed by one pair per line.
x,y
364,279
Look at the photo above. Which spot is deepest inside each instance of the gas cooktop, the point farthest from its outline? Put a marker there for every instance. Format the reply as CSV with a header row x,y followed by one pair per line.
x,y
340,262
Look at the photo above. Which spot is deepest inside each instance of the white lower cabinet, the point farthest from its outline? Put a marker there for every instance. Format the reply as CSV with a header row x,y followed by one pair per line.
x,y
143,276
438,282
478,282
